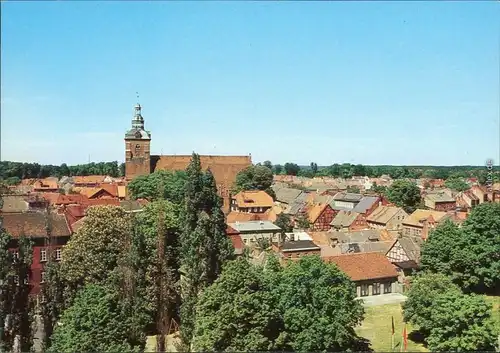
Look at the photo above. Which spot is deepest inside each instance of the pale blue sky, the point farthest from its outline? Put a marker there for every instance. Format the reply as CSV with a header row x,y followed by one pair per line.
x,y
330,82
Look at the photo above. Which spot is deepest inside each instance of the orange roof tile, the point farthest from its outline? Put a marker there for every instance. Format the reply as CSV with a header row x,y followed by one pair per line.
x,y
316,211
254,198
364,266
112,189
88,179
52,197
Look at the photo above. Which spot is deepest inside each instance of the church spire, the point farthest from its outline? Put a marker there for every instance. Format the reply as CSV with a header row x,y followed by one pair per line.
x,y
137,120
137,131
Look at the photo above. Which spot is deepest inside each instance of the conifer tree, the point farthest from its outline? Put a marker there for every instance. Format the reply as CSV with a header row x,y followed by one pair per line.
x,y
22,306
204,245
52,291
5,268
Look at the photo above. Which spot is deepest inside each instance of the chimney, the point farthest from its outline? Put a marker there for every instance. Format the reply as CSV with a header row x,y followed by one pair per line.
x,y
292,237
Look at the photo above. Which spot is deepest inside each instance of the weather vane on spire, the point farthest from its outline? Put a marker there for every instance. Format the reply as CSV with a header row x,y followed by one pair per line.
x,y
137,94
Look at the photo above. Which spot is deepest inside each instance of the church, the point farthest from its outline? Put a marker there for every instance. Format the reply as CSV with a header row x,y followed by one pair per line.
x,y
139,161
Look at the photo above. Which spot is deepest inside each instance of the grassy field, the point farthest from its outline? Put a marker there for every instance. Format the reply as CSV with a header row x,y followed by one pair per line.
x,y
377,328
495,301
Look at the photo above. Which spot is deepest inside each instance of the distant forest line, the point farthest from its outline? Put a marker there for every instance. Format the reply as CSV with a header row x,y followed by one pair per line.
x,y
14,172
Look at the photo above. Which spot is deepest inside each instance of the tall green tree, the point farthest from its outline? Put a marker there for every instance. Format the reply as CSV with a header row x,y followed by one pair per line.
x,y
96,322
318,307
461,323
443,250
470,254
423,291
22,307
204,244
156,246
314,168
5,282
52,290
93,251
481,251
238,312
404,194
306,306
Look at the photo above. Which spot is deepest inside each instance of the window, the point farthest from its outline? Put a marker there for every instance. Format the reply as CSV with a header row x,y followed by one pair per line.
x,y
42,277
376,288
58,254
15,254
364,290
27,279
43,255
387,287
16,280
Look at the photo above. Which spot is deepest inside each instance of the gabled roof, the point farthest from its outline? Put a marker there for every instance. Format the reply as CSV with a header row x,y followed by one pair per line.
x,y
32,224
440,197
358,236
365,204
316,211
347,196
238,244
344,219
286,195
384,214
233,217
253,198
411,246
416,218
364,266
366,246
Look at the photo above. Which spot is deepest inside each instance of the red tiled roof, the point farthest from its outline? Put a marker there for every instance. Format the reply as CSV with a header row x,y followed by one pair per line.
x,y
102,202
237,242
364,266
70,199
112,189
32,224
52,197
231,231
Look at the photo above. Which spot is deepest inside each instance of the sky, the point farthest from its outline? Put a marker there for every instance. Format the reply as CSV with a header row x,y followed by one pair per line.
x,y
402,83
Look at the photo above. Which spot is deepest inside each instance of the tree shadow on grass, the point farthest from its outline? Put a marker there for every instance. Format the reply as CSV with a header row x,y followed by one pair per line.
x,y
362,345
417,337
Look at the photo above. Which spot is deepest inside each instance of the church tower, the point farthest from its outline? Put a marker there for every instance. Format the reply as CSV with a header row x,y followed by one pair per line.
x,y
137,143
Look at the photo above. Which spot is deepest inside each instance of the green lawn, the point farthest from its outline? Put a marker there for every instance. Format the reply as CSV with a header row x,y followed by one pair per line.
x,y
495,301
377,328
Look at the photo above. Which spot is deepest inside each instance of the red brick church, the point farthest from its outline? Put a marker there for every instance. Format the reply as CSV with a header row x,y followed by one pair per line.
x,y
139,161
